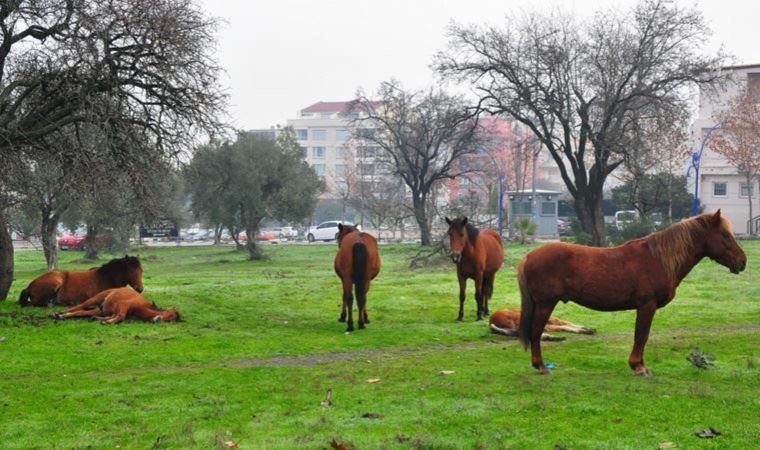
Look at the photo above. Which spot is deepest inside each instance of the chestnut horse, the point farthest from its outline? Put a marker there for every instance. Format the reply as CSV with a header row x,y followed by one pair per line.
x,y
357,263
115,305
641,274
507,322
71,288
478,255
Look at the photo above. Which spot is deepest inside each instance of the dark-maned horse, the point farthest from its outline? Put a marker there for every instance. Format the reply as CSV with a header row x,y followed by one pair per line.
x,y
478,255
356,263
115,305
641,274
71,288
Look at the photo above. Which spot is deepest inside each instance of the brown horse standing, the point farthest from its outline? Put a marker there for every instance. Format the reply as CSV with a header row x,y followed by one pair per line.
x,y
71,288
115,305
478,255
641,274
356,263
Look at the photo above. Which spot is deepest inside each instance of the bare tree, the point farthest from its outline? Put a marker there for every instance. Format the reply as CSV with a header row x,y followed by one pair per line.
x,y
582,86
420,136
738,140
127,66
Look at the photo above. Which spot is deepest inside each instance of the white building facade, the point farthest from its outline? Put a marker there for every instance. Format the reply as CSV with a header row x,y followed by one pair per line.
x,y
720,184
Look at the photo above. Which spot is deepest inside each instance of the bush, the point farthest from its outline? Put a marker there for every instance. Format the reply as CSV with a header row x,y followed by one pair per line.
x,y
526,227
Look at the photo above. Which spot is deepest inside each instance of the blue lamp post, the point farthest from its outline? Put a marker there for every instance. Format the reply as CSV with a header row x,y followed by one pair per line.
x,y
696,159
502,185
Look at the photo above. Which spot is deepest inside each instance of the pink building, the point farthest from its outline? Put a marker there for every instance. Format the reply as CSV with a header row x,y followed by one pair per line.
x,y
508,149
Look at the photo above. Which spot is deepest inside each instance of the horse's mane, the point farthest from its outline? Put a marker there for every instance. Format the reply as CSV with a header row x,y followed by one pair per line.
x,y
674,245
118,266
472,230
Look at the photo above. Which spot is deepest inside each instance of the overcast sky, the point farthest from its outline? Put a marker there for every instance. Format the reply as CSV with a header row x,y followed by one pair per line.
x,y
283,55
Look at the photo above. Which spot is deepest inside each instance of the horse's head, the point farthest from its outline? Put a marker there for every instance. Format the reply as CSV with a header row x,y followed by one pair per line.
x,y
458,235
721,246
343,230
133,275
169,315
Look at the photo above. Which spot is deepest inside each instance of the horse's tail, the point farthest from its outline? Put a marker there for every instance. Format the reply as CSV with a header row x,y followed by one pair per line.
x,y
526,306
360,261
23,299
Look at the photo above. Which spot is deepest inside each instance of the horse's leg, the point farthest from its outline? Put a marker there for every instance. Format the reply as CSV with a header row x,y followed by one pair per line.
x,y
479,293
366,316
361,302
348,302
487,292
342,317
571,328
79,313
541,314
462,293
116,318
644,316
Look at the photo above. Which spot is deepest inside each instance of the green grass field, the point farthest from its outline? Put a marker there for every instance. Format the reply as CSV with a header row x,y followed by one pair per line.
x,y
261,345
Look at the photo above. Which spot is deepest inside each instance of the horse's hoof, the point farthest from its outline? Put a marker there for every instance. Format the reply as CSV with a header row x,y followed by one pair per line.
x,y
544,371
460,319
341,319
642,372
361,326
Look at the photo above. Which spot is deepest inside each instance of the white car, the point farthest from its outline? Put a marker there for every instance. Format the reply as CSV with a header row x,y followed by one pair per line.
x,y
325,231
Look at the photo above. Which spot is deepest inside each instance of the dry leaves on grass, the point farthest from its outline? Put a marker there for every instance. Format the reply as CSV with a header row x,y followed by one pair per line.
x,y
664,445
232,444
338,445
327,402
445,372
373,380
708,433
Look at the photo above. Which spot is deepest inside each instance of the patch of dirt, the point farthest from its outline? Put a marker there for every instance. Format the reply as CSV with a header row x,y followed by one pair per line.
x,y
20,319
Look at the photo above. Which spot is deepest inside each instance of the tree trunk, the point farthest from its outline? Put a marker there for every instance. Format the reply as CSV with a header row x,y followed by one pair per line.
x,y
420,215
588,207
6,257
749,203
49,244
90,242
254,249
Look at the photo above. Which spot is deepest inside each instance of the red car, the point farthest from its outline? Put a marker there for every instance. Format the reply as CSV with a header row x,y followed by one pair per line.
x,y
76,241
262,236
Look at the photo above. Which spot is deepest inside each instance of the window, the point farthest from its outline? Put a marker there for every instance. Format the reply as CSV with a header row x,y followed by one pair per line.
x,y
464,181
341,186
327,225
302,134
747,190
548,208
340,153
367,169
521,207
342,135
753,85
720,189
317,152
325,115
304,152
340,170
319,169
370,152
366,133
318,135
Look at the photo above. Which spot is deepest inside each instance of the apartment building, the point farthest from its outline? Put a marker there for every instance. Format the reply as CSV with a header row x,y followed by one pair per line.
x,y
720,184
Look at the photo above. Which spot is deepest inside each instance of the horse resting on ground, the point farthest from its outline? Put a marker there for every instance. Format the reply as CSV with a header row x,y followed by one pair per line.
x,y
641,274
356,264
71,288
478,255
115,305
507,322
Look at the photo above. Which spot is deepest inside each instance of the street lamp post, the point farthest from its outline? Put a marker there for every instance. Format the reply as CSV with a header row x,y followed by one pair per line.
x,y
696,159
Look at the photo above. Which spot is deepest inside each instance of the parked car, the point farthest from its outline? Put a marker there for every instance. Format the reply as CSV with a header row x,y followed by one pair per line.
x,y
75,241
262,236
325,231
288,232
564,228
626,217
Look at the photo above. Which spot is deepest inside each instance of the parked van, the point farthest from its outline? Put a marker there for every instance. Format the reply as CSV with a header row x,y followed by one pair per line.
x,y
623,218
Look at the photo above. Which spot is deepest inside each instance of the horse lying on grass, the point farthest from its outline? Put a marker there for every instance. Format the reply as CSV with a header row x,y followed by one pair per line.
x,y
641,274
115,305
507,322
71,288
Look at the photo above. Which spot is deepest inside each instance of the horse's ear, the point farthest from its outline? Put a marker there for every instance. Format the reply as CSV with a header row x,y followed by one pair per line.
x,y
340,227
716,219
447,220
464,221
